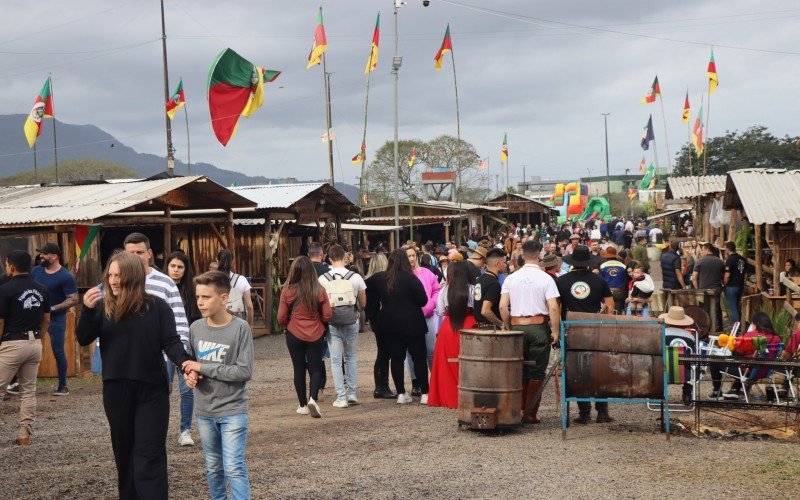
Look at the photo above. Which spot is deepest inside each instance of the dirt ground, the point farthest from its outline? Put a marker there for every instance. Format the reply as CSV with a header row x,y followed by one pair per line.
x,y
382,450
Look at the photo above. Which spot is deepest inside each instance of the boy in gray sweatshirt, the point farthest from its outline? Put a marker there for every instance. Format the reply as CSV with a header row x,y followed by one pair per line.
x,y
222,344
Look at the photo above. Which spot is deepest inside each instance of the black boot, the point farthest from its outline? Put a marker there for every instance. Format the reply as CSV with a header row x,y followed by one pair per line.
x,y
602,413
416,391
585,413
382,390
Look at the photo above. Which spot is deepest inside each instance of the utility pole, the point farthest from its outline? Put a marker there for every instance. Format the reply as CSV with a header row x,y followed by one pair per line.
x,y
397,61
170,149
608,178
524,186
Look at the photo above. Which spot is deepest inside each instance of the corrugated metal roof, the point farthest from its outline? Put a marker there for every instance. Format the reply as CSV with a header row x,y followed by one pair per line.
x,y
767,196
45,205
466,206
687,187
283,196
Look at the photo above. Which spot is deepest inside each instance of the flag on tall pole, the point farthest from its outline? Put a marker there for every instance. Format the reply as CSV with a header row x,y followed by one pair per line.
x,y
177,101
697,132
713,79
42,108
655,91
372,62
412,157
482,164
320,43
361,156
686,109
235,88
631,194
647,134
447,46
504,149
642,164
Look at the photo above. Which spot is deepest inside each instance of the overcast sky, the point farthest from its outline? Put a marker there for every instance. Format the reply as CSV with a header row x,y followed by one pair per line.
x,y
532,68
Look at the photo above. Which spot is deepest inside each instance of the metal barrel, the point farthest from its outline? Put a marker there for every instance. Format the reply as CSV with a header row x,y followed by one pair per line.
x,y
490,375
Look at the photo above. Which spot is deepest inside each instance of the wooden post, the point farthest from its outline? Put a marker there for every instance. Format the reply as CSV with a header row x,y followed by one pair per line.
x,y
759,259
268,298
229,236
70,257
167,232
776,261
391,240
447,232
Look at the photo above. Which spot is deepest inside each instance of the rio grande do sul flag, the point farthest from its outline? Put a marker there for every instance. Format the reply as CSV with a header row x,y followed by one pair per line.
x,y
235,88
447,46
42,108
84,236
655,91
177,101
504,149
713,79
372,62
320,43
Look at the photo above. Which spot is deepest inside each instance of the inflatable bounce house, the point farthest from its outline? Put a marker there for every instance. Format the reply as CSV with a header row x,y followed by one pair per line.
x,y
572,202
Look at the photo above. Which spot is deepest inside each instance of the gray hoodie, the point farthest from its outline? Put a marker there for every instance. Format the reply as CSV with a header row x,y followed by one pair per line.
x,y
225,354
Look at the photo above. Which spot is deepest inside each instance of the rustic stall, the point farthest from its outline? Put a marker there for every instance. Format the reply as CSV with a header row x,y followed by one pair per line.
x,y
435,221
522,209
704,194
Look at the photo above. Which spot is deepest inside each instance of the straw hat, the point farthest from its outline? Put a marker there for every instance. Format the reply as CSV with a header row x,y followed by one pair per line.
x,y
549,261
676,317
456,257
609,253
481,251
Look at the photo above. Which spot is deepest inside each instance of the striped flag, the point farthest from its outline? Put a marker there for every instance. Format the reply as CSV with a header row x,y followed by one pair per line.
x,y
655,91
412,156
482,164
177,101
362,155
372,62
632,194
42,108
642,164
647,134
84,236
686,111
713,79
447,46
320,43
697,132
328,136
504,149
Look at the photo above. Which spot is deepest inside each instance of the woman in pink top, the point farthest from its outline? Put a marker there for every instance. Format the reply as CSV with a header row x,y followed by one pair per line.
x,y
431,285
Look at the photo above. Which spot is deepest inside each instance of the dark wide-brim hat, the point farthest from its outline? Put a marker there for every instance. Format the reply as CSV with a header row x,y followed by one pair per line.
x,y
582,257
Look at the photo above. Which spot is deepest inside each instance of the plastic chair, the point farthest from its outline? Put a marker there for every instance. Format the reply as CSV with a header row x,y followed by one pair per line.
x,y
678,375
749,376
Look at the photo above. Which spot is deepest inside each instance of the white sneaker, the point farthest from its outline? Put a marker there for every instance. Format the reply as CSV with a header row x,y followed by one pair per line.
x,y
185,439
302,410
313,408
424,399
352,399
404,399
340,403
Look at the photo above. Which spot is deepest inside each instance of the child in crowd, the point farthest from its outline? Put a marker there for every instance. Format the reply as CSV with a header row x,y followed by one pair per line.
x,y
223,346
640,289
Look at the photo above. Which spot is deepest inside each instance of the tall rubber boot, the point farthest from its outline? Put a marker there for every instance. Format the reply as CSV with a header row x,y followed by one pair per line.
x,y
531,389
585,413
602,413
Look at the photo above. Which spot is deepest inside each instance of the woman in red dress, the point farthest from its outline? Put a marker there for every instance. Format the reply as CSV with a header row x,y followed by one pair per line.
x,y
455,305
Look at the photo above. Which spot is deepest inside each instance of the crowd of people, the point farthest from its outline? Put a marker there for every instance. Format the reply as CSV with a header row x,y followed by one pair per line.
x,y
149,325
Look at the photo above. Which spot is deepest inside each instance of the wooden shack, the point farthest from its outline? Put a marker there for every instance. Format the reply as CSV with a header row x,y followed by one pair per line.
x,y
520,208
702,194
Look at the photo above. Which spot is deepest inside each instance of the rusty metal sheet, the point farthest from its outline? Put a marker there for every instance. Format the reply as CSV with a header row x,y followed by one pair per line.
x,y
614,375
635,336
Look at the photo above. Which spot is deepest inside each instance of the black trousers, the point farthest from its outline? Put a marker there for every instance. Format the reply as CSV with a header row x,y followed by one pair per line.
x,y
306,356
381,367
138,414
416,348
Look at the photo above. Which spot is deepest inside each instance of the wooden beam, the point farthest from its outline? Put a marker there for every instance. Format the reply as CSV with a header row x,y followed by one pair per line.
x,y
167,232
759,258
230,236
218,235
776,262
177,198
268,297
158,221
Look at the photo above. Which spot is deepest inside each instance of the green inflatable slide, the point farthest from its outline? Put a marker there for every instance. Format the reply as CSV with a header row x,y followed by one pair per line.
x,y
597,208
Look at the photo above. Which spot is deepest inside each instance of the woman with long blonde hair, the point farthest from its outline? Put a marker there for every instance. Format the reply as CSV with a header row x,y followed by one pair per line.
x,y
134,329
380,370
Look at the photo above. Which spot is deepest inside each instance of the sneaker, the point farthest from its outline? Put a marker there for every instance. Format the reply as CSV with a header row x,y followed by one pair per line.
x,y
302,410
13,388
313,408
61,391
424,399
715,396
733,396
352,399
404,399
185,439
340,403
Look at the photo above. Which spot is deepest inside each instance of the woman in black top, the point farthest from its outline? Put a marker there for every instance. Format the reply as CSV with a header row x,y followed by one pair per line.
x,y
394,306
134,328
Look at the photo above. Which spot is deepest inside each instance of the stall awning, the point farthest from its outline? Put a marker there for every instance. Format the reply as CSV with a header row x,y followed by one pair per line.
x,y
674,211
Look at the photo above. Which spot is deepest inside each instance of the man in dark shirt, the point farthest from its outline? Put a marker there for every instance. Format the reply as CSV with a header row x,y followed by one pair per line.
x,y
63,295
733,279
671,271
24,316
486,308
475,264
708,273
317,256
582,290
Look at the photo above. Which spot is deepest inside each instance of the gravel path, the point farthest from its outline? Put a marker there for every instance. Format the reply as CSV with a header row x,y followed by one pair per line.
x,y
381,450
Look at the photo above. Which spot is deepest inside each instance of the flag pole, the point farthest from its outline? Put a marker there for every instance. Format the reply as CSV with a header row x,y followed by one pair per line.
x,y
699,224
458,126
666,137
689,134
705,138
364,135
55,144
188,143
327,82
170,149
35,166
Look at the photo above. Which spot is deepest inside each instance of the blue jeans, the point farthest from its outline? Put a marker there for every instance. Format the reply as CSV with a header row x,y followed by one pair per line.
x,y
223,440
733,294
342,342
430,344
58,324
187,396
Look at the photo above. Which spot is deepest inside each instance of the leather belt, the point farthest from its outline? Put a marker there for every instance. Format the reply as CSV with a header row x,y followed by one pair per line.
x,y
10,337
538,319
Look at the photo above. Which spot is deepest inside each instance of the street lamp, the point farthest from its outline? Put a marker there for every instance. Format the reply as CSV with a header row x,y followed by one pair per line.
x,y
608,179
397,61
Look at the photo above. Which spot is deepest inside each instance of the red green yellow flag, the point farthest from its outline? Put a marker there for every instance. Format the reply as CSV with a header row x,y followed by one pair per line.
x,y
447,46
362,155
504,149
686,109
372,62
84,236
320,43
632,193
412,156
697,132
176,102
655,91
235,88
42,108
713,79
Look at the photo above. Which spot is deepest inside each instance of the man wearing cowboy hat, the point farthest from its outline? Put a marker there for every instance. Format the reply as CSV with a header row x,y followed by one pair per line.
x,y
551,263
574,241
582,290
675,333
475,264
613,271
